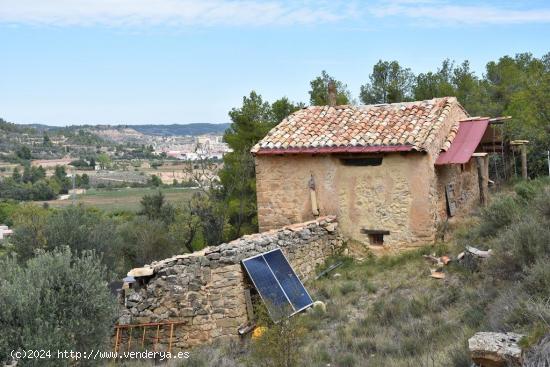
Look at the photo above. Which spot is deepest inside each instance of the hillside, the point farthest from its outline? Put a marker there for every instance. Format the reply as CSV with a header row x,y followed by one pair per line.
x,y
181,129
192,129
389,312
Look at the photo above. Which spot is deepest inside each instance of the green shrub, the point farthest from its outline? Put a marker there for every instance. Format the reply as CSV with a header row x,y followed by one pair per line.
x,y
6,211
517,248
348,287
497,216
537,278
56,301
279,345
526,190
542,203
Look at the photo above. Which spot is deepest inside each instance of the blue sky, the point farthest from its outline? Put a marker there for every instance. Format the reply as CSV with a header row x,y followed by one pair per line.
x,y
180,61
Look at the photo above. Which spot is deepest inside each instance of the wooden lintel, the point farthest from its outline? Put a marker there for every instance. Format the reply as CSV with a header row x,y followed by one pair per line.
x,y
474,118
375,231
499,119
519,142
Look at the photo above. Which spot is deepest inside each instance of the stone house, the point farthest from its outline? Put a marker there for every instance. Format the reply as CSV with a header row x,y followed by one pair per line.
x,y
391,173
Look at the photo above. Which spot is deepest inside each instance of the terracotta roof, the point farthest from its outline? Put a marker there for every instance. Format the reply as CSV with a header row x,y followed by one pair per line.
x,y
373,128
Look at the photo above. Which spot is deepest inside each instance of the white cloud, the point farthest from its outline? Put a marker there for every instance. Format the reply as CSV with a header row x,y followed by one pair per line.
x,y
440,12
177,13
168,12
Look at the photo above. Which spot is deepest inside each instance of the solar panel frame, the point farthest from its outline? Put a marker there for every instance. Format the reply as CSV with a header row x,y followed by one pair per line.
x,y
286,286
276,310
278,282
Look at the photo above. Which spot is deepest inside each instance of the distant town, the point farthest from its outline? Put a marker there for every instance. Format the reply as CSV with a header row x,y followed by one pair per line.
x,y
51,164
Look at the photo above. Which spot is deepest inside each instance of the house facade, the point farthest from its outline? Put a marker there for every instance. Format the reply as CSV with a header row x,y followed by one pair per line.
x,y
391,173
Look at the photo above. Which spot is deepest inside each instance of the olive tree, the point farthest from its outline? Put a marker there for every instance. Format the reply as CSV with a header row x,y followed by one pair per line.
x,y
55,301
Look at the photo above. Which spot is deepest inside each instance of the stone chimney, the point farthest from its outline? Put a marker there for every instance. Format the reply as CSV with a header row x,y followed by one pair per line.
x,y
331,93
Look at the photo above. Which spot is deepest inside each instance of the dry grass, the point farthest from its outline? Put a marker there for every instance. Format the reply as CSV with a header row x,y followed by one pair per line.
x,y
389,312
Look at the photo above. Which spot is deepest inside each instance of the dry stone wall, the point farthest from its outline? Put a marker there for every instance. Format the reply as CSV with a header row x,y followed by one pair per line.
x,y
205,290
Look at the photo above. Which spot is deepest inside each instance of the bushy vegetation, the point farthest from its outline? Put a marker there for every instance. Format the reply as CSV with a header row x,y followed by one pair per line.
x,y
520,240
54,301
124,239
32,184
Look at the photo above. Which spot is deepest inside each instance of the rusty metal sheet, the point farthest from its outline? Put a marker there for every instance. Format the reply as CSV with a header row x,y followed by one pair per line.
x,y
465,142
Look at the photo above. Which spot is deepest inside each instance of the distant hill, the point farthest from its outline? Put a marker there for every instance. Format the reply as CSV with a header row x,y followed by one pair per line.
x,y
181,129
149,129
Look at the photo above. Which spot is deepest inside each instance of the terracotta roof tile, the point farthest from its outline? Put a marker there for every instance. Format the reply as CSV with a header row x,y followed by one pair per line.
x,y
411,124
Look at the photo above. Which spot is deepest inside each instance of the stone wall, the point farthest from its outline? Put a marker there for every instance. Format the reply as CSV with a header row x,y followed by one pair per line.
x,y
205,290
466,184
397,195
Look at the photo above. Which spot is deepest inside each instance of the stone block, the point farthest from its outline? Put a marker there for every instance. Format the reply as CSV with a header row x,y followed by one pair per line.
x,y
489,349
227,323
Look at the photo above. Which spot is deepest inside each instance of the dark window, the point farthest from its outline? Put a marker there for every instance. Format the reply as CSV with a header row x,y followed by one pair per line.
x,y
364,161
376,236
376,239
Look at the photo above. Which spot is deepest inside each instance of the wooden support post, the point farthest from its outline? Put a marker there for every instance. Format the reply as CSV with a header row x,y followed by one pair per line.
x,y
157,338
143,337
523,149
481,180
171,335
524,161
116,339
129,338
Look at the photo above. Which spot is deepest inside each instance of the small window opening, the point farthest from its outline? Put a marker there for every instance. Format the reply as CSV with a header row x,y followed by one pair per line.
x,y
363,161
376,236
376,239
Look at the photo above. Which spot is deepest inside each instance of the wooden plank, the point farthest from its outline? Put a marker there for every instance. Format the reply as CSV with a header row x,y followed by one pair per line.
x,y
249,308
143,337
170,341
116,339
450,195
130,339
481,180
524,162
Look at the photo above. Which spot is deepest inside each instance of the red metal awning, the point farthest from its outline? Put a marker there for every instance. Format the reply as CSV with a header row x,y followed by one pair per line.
x,y
465,142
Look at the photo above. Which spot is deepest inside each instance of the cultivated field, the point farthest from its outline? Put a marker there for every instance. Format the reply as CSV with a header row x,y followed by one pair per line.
x,y
123,199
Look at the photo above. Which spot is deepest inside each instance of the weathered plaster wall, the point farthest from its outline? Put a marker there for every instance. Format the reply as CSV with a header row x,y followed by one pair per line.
x,y
395,196
205,290
466,185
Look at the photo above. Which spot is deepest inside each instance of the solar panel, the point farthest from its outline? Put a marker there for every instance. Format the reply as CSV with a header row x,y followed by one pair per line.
x,y
276,282
292,286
